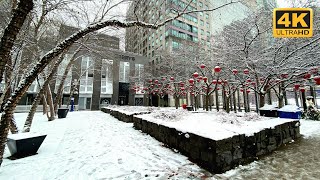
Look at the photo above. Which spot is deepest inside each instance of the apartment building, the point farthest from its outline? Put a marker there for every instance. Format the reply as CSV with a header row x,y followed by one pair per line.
x,y
188,30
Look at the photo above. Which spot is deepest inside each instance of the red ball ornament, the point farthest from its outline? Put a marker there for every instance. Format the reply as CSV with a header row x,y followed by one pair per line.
x,y
302,90
307,76
205,79
284,75
296,86
217,69
246,71
172,78
195,74
317,79
234,71
202,66
191,81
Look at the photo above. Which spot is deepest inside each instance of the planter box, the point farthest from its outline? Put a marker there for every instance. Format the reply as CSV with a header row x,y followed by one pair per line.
x,y
269,113
24,144
290,115
62,112
189,108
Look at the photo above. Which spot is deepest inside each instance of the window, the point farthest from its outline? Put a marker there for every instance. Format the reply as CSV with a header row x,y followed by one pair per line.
x,y
175,44
201,22
207,25
106,76
200,4
207,16
87,69
124,69
194,29
202,32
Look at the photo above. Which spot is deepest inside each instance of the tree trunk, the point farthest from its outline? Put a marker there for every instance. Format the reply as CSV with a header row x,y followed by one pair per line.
x,y
234,102
207,102
296,97
227,104
50,102
176,102
269,97
239,102
280,101
8,78
256,101
245,103
44,105
262,99
248,102
6,118
303,98
210,102
11,32
36,101
224,103
217,100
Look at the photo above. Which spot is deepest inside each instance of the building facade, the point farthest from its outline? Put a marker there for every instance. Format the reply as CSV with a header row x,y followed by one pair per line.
x,y
189,29
99,74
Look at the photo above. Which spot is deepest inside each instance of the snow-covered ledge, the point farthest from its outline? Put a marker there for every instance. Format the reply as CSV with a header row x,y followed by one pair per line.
x,y
218,141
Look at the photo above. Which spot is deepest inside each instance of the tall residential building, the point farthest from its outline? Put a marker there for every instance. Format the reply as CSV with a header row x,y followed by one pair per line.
x,y
190,29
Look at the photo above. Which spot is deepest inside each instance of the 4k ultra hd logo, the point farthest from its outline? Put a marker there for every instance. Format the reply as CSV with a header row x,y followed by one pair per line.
x,y
292,22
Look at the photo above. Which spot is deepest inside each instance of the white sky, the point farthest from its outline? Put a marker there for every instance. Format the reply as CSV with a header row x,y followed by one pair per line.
x,y
282,3
296,3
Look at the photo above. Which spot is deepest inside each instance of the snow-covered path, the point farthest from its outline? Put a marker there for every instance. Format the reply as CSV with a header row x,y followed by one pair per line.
x,y
94,145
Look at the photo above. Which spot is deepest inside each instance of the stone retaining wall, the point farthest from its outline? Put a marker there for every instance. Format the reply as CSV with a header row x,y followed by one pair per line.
x,y
221,155
121,116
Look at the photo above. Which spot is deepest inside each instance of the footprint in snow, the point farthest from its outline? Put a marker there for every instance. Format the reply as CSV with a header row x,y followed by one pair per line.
x,y
120,161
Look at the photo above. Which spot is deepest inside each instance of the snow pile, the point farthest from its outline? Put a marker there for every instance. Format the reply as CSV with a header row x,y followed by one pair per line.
x,y
214,125
269,107
290,108
129,110
24,135
169,115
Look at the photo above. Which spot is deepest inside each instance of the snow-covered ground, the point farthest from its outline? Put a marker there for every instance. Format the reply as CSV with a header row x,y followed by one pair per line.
x,y
94,145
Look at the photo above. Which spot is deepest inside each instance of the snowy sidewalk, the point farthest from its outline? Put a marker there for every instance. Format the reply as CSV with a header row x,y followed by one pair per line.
x,y
94,145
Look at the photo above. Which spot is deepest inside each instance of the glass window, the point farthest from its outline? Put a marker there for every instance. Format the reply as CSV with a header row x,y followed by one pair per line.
x,y
202,32
201,22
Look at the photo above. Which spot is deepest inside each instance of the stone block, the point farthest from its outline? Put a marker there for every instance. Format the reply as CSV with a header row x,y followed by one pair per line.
x,y
272,141
224,145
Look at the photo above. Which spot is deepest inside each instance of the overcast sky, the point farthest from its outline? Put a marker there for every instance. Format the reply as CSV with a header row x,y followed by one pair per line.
x,y
282,3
